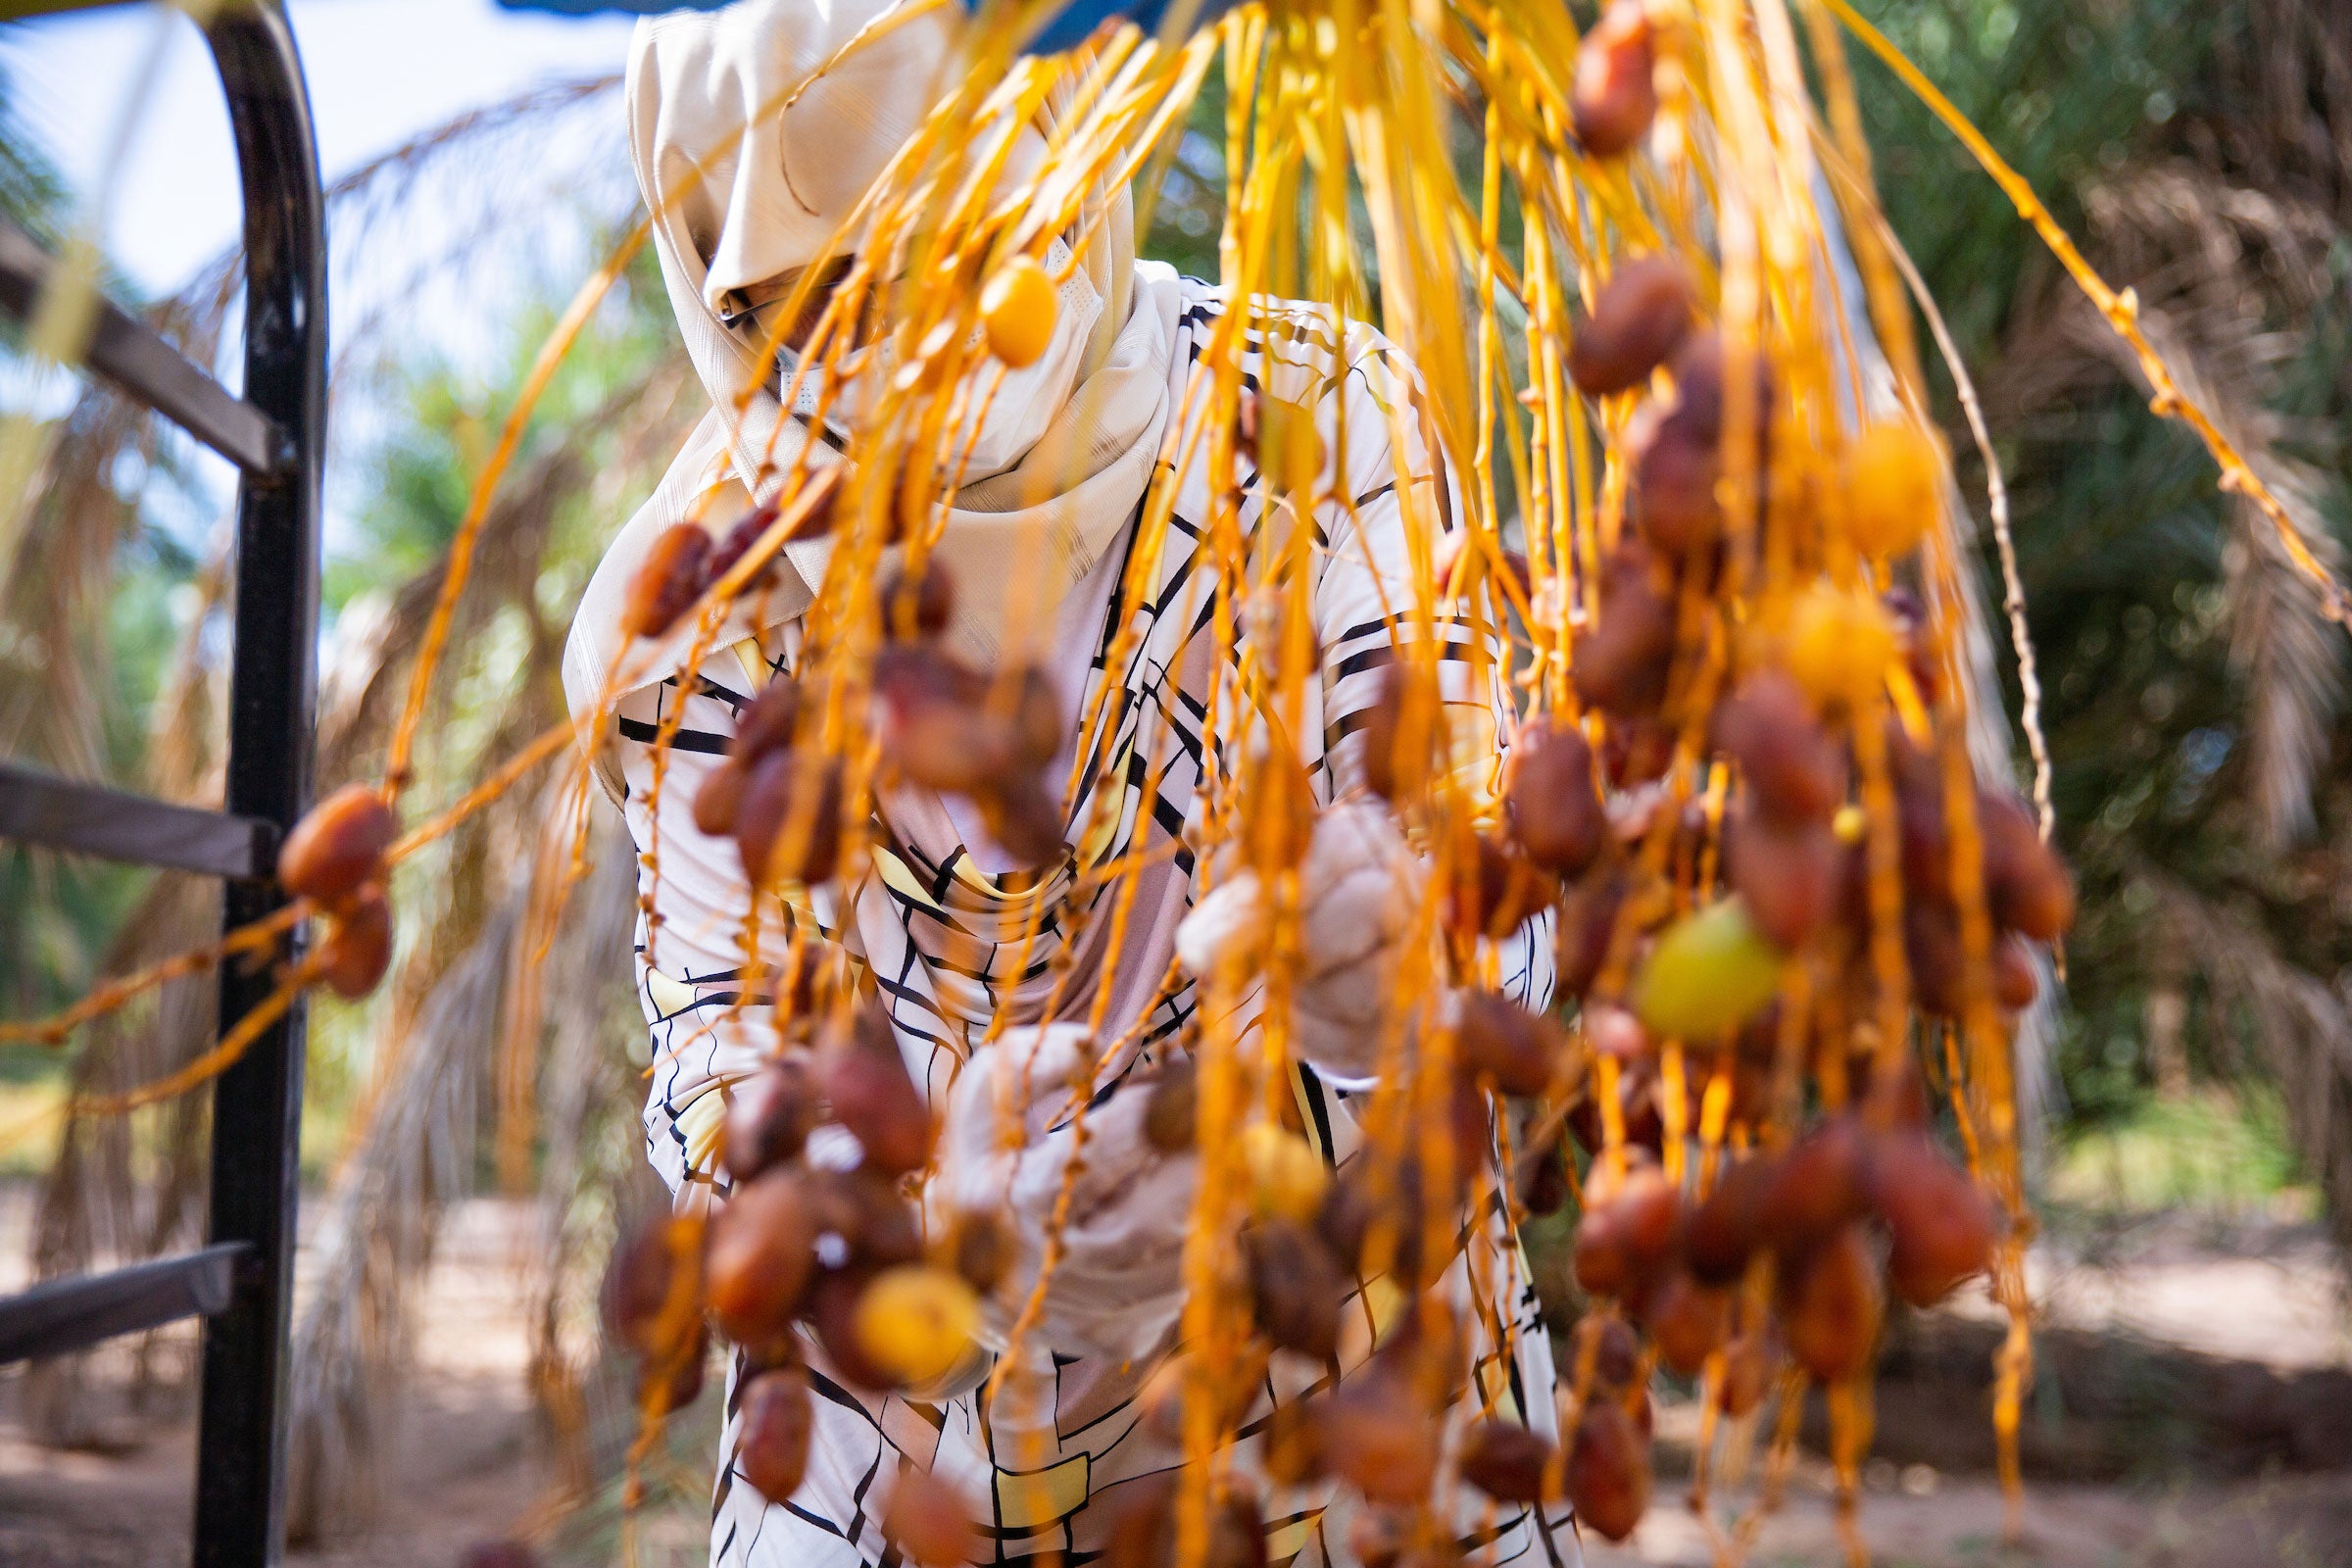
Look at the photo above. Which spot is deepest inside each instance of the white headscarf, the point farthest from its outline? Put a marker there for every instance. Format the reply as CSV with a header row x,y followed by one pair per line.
x,y
787,145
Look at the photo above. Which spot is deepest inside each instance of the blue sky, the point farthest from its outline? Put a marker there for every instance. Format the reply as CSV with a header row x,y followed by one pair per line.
x,y
380,71
137,77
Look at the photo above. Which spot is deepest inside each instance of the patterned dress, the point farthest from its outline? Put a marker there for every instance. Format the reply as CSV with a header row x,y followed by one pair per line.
x,y
939,934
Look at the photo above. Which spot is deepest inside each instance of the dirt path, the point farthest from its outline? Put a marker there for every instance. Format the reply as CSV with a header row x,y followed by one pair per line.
x,y
1916,1518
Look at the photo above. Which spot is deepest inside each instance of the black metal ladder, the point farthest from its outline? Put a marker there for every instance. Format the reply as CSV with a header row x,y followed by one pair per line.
x,y
241,1283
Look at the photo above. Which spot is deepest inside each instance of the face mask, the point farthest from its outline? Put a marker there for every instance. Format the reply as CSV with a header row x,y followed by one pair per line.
x,y
1025,403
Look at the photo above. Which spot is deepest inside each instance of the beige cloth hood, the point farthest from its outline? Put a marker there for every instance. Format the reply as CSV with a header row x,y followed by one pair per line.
x,y
754,132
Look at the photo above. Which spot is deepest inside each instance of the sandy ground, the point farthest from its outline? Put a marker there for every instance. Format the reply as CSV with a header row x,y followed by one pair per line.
x,y
464,1465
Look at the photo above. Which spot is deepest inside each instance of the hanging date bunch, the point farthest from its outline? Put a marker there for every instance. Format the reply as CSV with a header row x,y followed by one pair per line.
x,y
1671,705
1536,757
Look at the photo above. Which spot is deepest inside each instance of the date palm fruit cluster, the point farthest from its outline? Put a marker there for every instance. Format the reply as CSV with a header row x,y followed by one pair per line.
x,y
798,1244
1742,796
781,791
1741,799
1777,1247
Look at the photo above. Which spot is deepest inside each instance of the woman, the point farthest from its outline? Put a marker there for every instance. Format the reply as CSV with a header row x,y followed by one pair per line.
x,y
948,929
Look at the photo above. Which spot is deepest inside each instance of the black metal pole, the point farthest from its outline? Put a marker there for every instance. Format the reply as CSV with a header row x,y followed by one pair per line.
x,y
257,1104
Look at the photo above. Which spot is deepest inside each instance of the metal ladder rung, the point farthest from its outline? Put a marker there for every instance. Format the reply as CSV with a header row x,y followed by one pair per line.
x,y
134,356
71,1314
90,819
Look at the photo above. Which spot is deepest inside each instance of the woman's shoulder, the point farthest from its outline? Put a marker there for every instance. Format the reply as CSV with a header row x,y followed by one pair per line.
x,y
1296,351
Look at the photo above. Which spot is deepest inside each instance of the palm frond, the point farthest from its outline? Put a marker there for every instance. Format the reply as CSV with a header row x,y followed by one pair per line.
x,y
592,1170
377,1239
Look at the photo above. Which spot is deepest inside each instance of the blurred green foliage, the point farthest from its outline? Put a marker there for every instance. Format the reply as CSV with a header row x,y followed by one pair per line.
x,y
2123,536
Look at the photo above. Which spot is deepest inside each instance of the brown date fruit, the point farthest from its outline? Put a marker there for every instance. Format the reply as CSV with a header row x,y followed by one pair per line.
x,y
1609,1470
1540,1179
1283,823
1688,1321
356,948
2030,889
1829,1306
1816,1187
832,1315
666,585
1498,892
1621,662
1172,1112
775,1420
1616,1354
1379,1439
762,1258
1022,816
1034,722
1471,1124
1923,839
1495,1037
978,1247
1426,1352
671,1380
1941,1224
788,821
1637,750
865,1209
1630,1229
1749,1361
947,727
921,607
639,1279
929,1521
1508,1462
1549,798
1673,500
737,543
870,1091
2014,980
1143,1530
1786,874
1613,98
1932,948
1385,1538
1699,367
934,720
338,847
1356,1205
1639,316
1229,1388
1293,1453
1588,916
767,722
1900,1102
719,797
1724,1230
1637,1101
1295,1287
1402,732
770,1117
1787,757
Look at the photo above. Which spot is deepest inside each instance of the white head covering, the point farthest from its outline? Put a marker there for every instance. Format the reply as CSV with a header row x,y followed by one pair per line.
x,y
789,110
